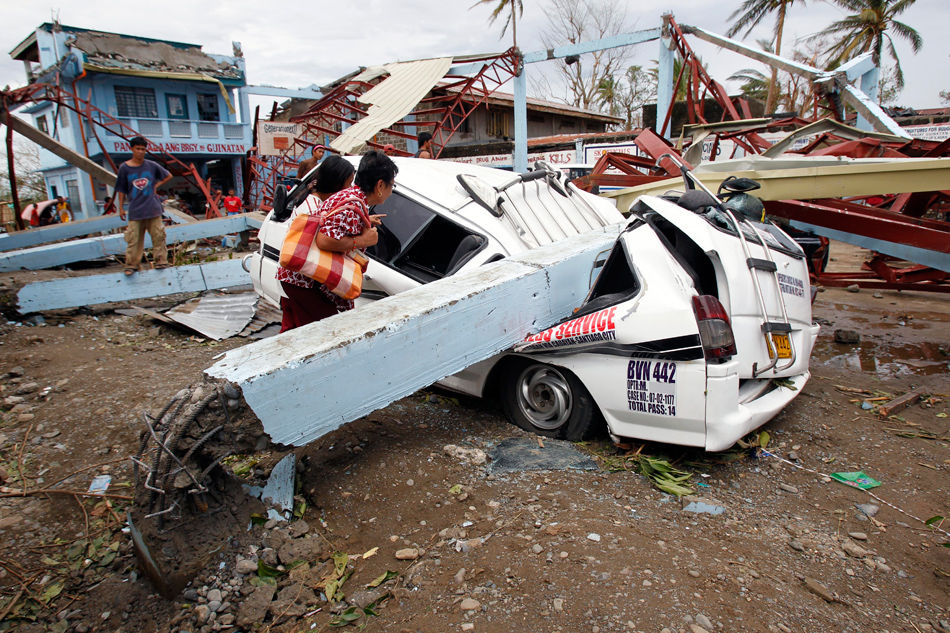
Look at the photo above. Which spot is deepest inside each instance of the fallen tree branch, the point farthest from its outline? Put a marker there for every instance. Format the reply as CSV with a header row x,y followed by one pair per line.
x,y
7,493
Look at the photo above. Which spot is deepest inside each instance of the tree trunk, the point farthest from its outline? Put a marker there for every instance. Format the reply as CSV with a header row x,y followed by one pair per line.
x,y
773,82
12,173
514,23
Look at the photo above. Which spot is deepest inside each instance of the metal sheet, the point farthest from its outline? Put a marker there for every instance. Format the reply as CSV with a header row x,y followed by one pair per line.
x,y
392,99
809,178
217,316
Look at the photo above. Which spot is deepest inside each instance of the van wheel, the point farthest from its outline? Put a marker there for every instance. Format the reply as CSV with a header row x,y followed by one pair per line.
x,y
547,400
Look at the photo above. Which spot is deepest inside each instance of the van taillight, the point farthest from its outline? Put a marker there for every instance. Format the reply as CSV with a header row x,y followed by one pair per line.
x,y
714,328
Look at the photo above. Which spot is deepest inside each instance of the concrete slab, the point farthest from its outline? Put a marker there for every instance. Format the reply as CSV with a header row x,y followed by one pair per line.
x,y
397,345
90,289
50,256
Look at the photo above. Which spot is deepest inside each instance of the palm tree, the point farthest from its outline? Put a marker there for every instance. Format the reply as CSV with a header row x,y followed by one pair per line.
x,y
500,6
867,30
748,16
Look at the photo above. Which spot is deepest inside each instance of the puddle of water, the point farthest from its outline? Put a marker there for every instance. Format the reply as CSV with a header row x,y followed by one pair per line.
x,y
700,507
921,359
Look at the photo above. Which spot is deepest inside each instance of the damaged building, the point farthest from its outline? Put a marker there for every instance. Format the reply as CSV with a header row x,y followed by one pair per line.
x,y
186,102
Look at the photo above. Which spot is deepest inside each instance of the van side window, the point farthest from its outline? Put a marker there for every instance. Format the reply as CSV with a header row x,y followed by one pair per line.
x,y
615,283
420,243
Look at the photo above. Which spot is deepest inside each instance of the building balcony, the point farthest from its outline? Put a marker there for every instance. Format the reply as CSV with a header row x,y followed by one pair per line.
x,y
182,136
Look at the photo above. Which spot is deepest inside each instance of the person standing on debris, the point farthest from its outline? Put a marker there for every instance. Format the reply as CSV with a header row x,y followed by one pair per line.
x,y
108,206
425,145
232,204
138,181
344,230
309,163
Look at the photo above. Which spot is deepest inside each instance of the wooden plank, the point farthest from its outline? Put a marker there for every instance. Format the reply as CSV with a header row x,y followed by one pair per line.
x,y
177,216
90,289
47,142
901,402
69,230
40,257
393,347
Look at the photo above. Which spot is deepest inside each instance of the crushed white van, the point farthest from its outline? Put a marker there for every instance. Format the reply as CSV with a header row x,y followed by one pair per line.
x,y
696,330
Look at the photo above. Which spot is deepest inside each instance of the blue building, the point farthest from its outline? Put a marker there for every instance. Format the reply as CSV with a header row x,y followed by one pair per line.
x,y
186,102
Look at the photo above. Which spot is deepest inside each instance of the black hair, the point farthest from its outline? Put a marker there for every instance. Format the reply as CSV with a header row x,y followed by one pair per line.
x,y
424,137
332,174
138,141
375,166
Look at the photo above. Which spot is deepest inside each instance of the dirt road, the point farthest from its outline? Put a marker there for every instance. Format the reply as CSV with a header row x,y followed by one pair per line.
x,y
767,542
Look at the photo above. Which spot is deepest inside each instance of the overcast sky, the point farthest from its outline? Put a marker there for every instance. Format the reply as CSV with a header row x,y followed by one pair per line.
x,y
295,44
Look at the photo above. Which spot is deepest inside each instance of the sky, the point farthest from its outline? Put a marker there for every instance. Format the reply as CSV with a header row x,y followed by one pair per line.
x,y
296,44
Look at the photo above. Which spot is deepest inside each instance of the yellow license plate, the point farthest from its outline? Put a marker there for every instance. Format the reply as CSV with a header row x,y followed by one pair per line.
x,y
782,344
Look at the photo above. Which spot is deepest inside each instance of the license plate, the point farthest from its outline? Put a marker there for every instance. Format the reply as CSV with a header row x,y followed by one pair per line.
x,y
782,344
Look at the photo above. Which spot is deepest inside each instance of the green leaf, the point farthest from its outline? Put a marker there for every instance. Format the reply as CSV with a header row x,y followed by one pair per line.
x,y
340,560
388,575
52,591
456,489
46,560
933,519
107,558
258,519
764,439
266,571
299,509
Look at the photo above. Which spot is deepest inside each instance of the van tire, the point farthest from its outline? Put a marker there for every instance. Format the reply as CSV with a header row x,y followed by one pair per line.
x,y
547,400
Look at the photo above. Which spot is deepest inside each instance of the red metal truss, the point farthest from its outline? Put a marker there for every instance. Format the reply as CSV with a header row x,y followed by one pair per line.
x,y
442,114
878,224
699,86
95,117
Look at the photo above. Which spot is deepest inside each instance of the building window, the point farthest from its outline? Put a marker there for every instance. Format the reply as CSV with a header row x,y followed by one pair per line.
x,y
208,107
499,124
177,106
136,103
42,124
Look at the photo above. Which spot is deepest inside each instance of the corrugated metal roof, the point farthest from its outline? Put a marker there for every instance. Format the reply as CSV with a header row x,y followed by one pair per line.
x,y
216,316
392,99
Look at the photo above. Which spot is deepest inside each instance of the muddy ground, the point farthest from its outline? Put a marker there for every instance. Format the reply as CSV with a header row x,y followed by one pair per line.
x,y
481,549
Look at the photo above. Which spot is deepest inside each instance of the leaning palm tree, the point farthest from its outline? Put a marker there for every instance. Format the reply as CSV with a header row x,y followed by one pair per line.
x,y
748,16
500,7
867,30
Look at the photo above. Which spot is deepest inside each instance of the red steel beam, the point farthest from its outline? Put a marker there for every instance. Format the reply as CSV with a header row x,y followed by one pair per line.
x,y
867,221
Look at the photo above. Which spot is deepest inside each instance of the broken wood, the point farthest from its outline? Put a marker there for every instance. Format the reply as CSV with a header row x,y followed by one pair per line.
x,y
900,403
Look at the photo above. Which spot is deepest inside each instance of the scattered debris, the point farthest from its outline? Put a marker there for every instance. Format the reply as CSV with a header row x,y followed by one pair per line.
x,y
901,402
856,479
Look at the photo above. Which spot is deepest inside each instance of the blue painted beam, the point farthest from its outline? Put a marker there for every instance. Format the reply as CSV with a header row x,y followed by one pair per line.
x,y
40,257
292,381
91,289
922,256
288,93
664,86
623,39
47,234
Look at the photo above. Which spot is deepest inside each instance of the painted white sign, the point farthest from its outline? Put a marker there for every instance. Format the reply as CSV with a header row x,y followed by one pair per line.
x,y
934,132
186,148
554,159
273,139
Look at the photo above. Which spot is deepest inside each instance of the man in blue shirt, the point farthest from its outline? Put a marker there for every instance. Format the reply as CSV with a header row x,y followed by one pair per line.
x,y
138,182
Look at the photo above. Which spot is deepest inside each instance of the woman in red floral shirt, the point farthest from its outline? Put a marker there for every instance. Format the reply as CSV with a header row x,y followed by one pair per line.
x,y
347,226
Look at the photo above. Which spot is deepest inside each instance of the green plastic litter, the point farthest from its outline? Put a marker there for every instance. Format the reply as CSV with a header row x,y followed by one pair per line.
x,y
856,479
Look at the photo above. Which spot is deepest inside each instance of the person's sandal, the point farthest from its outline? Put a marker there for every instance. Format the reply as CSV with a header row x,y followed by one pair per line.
x,y
161,266
129,272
